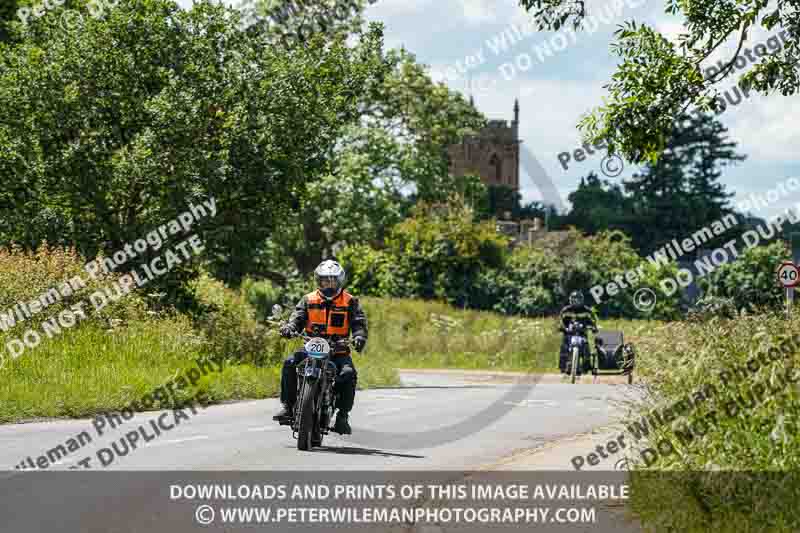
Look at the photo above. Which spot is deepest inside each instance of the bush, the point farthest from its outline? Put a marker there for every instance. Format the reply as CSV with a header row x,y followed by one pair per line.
x,y
27,275
538,281
749,282
262,295
230,325
374,272
528,285
433,255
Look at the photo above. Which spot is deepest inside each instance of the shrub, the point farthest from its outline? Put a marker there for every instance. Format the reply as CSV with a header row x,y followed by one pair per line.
x,y
373,272
537,281
230,325
262,295
749,282
27,275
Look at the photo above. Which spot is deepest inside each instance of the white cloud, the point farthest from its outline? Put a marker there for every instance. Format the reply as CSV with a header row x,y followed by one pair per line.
x,y
767,127
670,30
389,8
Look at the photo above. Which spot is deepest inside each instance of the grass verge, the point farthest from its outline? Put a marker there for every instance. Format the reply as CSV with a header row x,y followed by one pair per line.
x,y
730,455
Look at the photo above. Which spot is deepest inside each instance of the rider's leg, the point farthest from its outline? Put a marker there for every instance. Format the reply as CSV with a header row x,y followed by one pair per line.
x,y
563,355
289,384
345,387
587,358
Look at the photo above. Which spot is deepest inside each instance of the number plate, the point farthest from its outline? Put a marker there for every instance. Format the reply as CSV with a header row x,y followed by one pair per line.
x,y
318,346
312,372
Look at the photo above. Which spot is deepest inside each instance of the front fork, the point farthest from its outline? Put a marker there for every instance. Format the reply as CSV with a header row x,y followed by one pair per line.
x,y
310,374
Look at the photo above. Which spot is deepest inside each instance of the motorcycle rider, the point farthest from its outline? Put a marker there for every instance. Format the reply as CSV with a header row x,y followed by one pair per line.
x,y
332,313
576,311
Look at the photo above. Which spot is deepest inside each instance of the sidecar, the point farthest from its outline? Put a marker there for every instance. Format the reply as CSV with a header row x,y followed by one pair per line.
x,y
613,355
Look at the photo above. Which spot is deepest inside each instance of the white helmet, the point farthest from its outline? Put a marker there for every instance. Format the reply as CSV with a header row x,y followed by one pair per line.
x,y
330,278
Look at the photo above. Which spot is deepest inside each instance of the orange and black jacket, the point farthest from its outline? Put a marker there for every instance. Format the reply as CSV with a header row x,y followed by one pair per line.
x,y
337,318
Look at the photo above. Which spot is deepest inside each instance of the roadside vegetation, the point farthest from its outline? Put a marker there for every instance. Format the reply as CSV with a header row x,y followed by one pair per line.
x,y
127,349
738,471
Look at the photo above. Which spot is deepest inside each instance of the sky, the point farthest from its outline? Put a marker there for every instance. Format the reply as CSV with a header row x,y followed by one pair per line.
x,y
559,77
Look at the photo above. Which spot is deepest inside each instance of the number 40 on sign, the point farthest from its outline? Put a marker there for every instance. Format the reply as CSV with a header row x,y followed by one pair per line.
x,y
788,274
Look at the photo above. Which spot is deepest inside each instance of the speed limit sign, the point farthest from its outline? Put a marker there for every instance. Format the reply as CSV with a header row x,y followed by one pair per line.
x,y
788,274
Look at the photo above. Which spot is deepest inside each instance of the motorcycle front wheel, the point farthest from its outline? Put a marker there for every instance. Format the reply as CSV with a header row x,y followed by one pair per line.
x,y
574,370
305,430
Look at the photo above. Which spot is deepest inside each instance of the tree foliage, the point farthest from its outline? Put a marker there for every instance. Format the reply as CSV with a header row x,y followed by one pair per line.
x,y
671,198
748,283
657,80
109,128
392,157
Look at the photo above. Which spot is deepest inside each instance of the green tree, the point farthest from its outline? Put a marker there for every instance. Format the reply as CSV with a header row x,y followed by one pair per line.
x,y
749,281
598,205
657,80
393,157
681,193
439,252
141,111
291,23
8,12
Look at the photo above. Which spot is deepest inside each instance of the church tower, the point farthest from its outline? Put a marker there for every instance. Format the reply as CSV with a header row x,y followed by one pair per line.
x,y
493,154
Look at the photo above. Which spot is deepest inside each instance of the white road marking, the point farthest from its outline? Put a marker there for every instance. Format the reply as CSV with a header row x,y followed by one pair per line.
x,y
178,441
394,397
533,403
385,411
265,428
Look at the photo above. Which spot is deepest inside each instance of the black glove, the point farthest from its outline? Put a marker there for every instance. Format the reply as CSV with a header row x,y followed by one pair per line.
x,y
359,343
287,331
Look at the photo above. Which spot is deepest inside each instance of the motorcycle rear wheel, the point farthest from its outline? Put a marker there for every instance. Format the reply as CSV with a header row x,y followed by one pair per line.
x,y
305,428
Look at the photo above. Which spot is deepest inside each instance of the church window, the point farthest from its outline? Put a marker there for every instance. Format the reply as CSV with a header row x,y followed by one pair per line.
x,y
497,166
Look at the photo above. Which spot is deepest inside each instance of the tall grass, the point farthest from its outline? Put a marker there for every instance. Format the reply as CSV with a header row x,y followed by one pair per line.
x,y
423,334
754,438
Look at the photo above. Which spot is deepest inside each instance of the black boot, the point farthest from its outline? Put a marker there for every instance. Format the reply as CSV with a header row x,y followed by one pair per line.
x,y
286,414
342,426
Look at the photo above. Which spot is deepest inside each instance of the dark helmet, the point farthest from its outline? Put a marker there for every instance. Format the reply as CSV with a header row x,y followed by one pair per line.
x,y
576,298
330,278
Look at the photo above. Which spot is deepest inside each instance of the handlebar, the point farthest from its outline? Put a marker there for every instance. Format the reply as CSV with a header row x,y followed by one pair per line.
x,y
578,327
344,343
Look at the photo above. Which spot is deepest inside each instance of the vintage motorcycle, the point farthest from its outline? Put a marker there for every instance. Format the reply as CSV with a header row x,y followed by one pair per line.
x,y
612,355
316,396
578,343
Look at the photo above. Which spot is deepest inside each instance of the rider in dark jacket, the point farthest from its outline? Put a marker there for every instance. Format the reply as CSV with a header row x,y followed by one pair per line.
x,y
332,313
575,311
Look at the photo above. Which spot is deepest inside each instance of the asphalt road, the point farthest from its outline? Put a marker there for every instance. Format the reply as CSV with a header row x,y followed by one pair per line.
x,y
242,436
